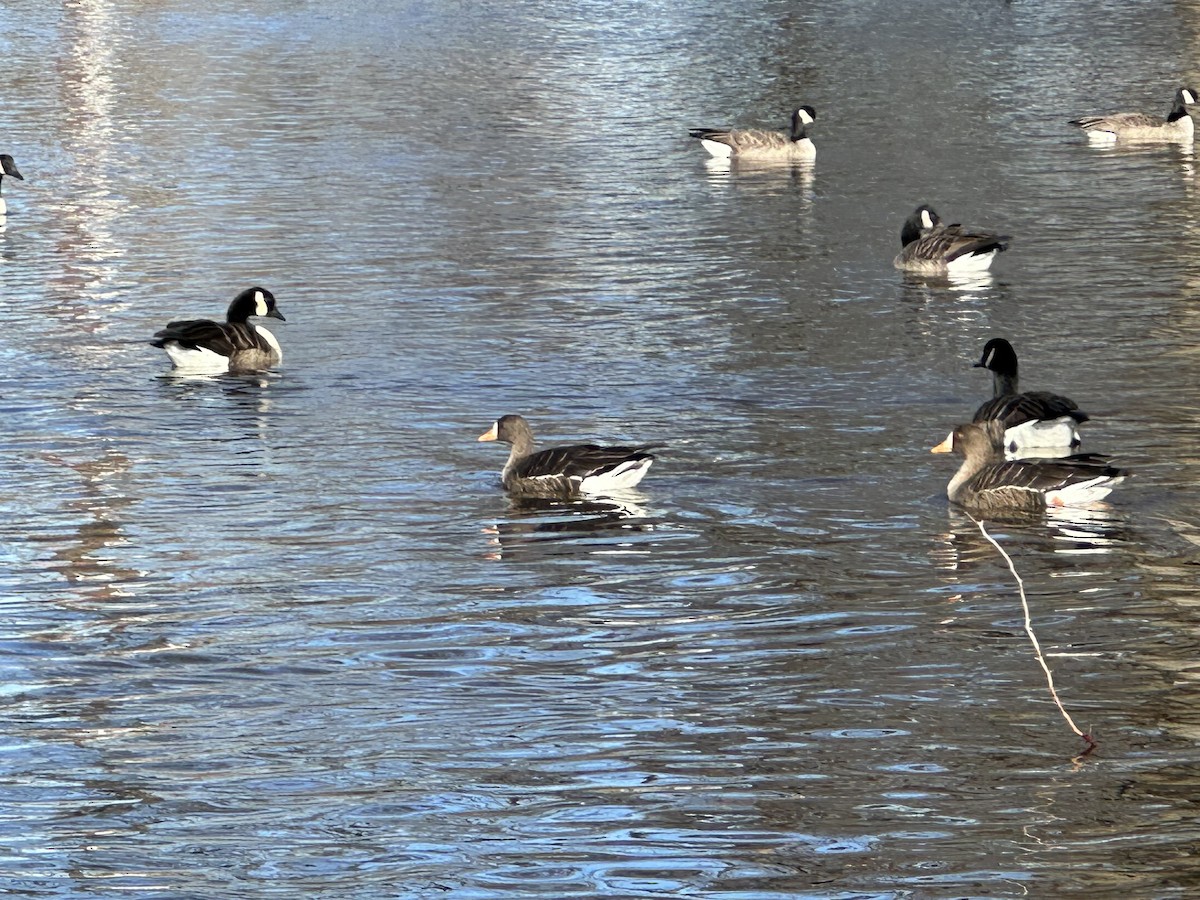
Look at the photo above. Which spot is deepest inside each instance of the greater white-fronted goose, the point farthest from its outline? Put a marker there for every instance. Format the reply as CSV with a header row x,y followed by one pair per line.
x,y
1144,128
752,144
988,483
1034,421
204,347
931,248
9,168
564,471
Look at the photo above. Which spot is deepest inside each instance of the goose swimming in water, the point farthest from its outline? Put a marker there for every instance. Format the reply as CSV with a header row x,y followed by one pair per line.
x,y
988,483
753,144
1143,128
9,168
1034,420
204,347
564,471
931,248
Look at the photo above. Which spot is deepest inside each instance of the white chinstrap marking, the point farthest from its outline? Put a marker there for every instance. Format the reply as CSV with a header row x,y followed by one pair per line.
x,y
270,339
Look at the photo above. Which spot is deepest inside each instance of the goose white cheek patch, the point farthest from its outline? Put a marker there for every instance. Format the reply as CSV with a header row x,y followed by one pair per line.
x,y
926,219
260,304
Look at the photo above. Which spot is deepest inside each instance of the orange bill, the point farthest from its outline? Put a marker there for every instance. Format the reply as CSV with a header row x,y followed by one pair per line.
x,y
946,446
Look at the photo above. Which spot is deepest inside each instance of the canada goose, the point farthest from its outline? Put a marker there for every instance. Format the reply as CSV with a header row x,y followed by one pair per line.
x,y
1032,420
201,346
988,483
564,471
931,248
755,144
1143,128
7,167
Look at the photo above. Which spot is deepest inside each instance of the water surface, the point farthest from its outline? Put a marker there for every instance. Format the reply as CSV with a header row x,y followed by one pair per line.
x,y
283,635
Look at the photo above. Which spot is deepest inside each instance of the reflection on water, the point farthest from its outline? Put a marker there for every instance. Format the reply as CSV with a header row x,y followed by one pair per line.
x,y
542,527
1071,531
798,176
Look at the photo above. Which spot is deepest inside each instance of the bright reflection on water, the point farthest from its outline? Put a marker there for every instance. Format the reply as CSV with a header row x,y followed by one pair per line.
x,y
284,635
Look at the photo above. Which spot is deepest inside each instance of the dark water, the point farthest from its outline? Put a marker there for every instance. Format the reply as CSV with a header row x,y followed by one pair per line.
x,y
284,636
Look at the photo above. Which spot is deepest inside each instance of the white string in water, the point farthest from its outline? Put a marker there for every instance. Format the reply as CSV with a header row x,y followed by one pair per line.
x,y
1033,637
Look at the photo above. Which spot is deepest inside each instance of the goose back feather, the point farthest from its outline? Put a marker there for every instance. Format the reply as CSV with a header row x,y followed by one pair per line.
x,y
565,471
202,346
932,248
1140,127
1033,420
987,482
756,144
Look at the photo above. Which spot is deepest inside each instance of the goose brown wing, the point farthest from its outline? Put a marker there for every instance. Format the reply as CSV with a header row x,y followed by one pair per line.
x,y
222,338
1043,475
1119,120
949,242
1032,406
577,461
742,141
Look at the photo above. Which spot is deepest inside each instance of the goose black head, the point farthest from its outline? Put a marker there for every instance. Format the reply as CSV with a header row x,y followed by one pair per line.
x,y
9,167
998,356
801,119
255,301
921,220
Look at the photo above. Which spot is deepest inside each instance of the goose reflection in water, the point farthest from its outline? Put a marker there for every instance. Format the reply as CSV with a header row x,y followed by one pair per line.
x,y
769,175
245,399
966,285
552,527
1096,530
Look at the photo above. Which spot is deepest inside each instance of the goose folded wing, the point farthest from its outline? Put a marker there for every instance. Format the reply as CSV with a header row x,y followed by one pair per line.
x,y
578,461
1042,475
1032,406
1119,120
952,241
193,333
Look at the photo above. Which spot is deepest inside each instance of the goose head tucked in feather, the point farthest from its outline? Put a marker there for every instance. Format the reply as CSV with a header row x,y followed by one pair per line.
x,y
920,221
801,119
1184,97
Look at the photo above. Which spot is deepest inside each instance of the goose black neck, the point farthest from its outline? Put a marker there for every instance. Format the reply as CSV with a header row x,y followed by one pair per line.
x,y
1178,111
910,231
1004,383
